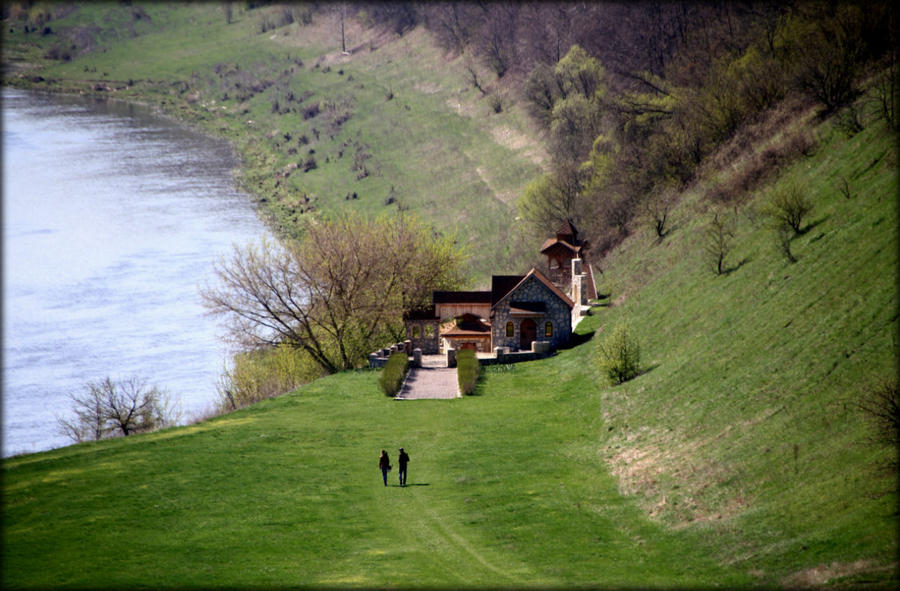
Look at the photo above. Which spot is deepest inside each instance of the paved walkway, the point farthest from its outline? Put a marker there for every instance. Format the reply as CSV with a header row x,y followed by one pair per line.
x,y
433,380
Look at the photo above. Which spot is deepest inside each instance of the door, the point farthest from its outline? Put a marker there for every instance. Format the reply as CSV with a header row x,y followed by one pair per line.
x,y
527,334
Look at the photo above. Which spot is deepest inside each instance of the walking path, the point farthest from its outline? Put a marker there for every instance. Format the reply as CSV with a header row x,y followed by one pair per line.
x,y
433,380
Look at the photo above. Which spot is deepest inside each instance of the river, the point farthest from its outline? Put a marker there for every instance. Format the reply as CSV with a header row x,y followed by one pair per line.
x,y
112,219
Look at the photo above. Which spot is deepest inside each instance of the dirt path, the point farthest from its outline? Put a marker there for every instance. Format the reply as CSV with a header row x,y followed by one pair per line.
x,y
433,380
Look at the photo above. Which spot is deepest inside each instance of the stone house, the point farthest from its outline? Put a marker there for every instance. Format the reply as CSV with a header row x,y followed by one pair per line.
x,y
517,311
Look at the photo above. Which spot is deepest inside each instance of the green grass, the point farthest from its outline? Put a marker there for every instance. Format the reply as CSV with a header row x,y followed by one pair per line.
x,y
736,457
504,490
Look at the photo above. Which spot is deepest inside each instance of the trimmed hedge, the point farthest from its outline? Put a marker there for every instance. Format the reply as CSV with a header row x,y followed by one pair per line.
x,y
467,370
393,373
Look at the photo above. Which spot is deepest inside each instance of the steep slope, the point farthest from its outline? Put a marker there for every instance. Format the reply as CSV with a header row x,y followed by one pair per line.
x,y
746,423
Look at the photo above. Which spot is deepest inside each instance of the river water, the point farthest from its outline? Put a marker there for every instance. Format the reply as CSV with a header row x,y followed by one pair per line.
x,y
112,218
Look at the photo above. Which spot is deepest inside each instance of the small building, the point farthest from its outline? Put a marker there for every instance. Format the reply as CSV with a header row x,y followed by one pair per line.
x,y
517,311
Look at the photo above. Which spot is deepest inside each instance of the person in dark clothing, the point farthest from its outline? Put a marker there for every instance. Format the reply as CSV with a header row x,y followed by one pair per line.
x,y
403,461
384,462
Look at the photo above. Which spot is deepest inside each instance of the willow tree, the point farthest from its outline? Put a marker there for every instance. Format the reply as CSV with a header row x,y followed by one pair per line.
x,y
339,292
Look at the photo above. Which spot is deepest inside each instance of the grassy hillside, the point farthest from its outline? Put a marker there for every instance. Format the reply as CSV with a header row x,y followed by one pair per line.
x,y
392,125
737,457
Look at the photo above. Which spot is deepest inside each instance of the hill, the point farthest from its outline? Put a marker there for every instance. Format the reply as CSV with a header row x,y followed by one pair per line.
x,y
739,456
390,125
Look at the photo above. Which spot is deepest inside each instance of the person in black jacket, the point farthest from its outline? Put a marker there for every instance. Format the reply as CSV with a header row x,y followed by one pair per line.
x,y
384,462
402,461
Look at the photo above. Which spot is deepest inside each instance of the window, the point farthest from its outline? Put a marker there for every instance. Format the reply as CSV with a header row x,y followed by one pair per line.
x,y
548,329
415,331
510,329
429,331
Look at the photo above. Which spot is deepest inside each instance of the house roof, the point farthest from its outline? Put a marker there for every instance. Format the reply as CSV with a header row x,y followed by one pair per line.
x,y
567,229
502,285
461,297
543,279
420,314
551,242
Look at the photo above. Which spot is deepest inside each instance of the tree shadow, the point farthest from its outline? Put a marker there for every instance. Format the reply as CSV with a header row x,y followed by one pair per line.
x,y
733,268
805,229
578,339
647,369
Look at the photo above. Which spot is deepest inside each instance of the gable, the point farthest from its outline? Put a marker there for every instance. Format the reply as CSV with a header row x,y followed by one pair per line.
x,y
546,285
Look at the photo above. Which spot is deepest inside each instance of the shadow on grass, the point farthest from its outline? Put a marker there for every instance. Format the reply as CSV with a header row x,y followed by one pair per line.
x,y
808,227
409,485
578,339
646,370
733,268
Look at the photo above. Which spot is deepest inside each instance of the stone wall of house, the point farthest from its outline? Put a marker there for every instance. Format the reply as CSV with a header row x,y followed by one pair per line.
x,y
557,312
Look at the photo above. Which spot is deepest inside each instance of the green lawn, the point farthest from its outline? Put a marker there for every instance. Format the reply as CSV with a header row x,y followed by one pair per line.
x,y
737,457
505,489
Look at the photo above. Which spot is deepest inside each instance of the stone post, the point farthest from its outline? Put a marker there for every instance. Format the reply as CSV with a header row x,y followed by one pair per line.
x,y
417,357
407,344
451,357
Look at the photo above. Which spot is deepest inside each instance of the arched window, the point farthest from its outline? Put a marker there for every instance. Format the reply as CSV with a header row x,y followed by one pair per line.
x,y
415,331
548,329
510,329
429,331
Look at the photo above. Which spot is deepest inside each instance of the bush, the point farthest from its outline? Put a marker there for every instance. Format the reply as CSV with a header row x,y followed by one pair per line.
x,y
393,373
620,356
468,370
264,373
788,205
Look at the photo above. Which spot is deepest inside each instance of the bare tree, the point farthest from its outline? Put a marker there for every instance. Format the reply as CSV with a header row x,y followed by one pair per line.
x,y
339,292
717,243
107,408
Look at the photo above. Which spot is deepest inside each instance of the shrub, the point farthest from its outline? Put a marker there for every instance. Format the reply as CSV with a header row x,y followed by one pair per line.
x,y
393,373
264,373
881,405
788,205
468,370
620,356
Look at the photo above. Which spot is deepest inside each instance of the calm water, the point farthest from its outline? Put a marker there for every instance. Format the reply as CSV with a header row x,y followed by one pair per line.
x,y
111,220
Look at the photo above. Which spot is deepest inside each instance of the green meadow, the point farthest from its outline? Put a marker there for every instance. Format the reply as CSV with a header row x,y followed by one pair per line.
x,y
737,458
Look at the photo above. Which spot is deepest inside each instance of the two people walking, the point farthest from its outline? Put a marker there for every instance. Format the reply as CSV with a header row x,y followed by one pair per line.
x,y
384,462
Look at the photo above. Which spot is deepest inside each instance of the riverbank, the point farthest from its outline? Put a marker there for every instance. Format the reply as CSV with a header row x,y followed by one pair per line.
x,y
111,218
390,126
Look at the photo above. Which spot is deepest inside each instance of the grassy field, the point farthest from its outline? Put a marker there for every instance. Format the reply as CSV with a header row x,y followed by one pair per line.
x,y
393,125
737,458
505,489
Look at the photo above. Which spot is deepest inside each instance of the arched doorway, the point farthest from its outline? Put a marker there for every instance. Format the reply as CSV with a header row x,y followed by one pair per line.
x,y
527,334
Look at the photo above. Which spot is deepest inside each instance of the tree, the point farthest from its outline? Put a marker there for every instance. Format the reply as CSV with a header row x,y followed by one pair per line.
x,y
620,355
108,408
553,199
788,206
717,243
339,292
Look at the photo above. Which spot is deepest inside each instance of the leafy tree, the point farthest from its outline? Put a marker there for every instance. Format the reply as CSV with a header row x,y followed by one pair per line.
x,y
553,198
107,409
788,206
620,355
339,292
264,373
